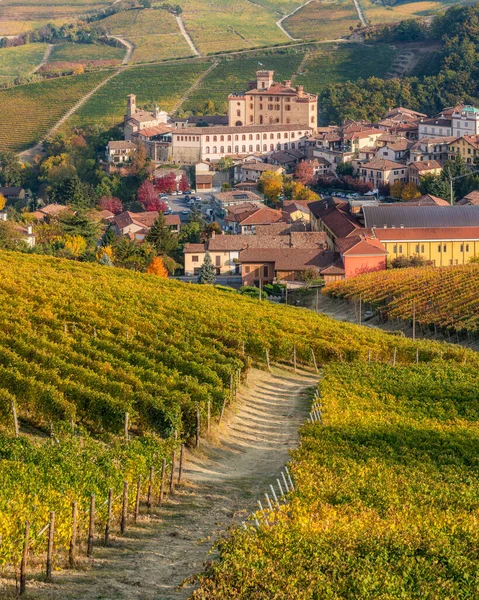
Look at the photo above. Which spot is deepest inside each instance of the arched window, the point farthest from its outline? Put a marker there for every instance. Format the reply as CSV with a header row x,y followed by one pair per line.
x,y
288,106
222,150
271,136
229,148
286,136
261,119
258,137
271,147
293,146
271,120
293,135
215,139
239,123
236,138
238,113
243,137
279,136
251,119
276,120
258,148
278,146
222,138
243,149
229,138
251,148
265,148
265,137
215,150
250,137
207,138
207,150
236,149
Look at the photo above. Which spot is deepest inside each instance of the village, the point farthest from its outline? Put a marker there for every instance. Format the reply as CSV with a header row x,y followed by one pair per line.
x,y
287,201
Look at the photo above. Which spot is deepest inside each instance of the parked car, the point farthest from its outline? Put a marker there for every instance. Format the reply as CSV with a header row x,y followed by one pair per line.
x,y
168,211
186,211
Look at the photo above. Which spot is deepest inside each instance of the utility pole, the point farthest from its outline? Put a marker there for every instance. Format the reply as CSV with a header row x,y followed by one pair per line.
x,y
413,320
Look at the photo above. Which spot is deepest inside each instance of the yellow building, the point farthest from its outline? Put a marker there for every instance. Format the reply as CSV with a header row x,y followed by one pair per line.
x,y
467,147
443,246
269,102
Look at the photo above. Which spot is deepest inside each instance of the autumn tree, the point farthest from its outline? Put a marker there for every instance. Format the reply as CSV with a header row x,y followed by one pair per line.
x,y
157,267
11,169
75,245
397,189
3,201
184,184
271,184
148,196
111,203
165,184
10,236
410,191
209,230
305,173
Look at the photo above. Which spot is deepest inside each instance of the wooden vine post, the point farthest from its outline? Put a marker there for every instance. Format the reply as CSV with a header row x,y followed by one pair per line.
x,y
91,527
23,564
198,426
51,535
73,539
137,501
149,499
172,474
208,418
163,481
267,359
314,360
108,517
124,508
294,359
15,418
180,470
127,425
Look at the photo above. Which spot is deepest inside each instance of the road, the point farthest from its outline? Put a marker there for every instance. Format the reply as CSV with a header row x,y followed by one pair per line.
x,y
178,204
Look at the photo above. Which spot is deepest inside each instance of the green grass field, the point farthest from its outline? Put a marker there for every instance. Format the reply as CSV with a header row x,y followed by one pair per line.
x,y
156,83
232,75
337,63
20,61
323,20
84,53
28,111
154,33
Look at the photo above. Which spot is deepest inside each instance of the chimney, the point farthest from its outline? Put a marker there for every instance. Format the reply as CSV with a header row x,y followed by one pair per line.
x,y
131,105
213,235
3,216
300,91
29,230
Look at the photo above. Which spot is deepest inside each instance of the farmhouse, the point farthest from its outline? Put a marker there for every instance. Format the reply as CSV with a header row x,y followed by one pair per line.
x,y
137,225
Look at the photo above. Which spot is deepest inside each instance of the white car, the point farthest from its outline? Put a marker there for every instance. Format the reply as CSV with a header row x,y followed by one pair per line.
x,y
186,211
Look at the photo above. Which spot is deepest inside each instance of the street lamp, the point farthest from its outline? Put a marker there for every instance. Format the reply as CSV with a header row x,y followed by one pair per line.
x,y
452,179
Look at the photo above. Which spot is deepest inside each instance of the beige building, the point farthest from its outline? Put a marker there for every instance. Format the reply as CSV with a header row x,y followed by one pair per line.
x,y
382,172
212,143
136,120
269,102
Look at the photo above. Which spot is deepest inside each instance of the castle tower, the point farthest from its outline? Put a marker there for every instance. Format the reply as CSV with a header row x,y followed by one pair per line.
x,y
264,79
130,106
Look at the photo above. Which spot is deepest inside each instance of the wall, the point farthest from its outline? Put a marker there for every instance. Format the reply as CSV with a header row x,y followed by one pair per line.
x,y
356,265
430,251
257,273
226,260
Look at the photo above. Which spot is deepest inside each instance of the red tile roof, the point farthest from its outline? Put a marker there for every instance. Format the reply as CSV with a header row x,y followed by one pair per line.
x,y
426,233
426,165
360,245
471,199
428,200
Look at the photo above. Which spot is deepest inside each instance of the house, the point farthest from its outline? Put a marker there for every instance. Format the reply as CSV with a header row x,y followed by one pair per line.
x,y
433,128
472,199
335,220
428,200
467,147
396,150
382,171
51,211
120,152
137,225
26,232
288,160
433,148
361,254
203,177
296,210
419,169
225,250
223,200
465,121
250,172
12,193
246,221
269,102
360,139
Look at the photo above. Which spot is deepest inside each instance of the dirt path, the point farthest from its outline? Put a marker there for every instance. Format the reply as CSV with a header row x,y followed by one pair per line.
x,y
194,87
130,48
360,12
186,35
45,58
224,482
280,22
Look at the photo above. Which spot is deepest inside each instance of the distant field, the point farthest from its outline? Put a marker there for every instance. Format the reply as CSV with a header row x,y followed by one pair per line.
x,y
20,61
19,16
376,13
282,7
84,53
232,75
28,111
154,33
156,83
323,20
218,25
337,63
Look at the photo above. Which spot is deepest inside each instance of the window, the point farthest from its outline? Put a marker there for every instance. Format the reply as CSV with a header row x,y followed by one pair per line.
x,y
236,149
439,247
243,138
250,148
312,119
229,138
222,150
288,120
222,138
417,248
293,135
270,107
265,137
215,150
271,147
261,119
258,137
279,136
207,149
207,138
467,247
258,148
462,247
422,248
395,249
194,258
247,270
270,98
251,107
276,107
288,107
444,248
236,138
400,249
265,271
215,139
251,118
261,107
271,136
229,148
265,148
243,149
218,261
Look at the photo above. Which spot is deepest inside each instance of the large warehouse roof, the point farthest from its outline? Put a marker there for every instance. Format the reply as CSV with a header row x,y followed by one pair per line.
x,y
402,215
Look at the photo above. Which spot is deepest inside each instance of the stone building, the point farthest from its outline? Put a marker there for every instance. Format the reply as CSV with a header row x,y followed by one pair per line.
x,y
269,102
136,120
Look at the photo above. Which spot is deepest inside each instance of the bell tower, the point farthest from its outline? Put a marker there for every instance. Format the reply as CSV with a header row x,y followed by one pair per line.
x,y
130,106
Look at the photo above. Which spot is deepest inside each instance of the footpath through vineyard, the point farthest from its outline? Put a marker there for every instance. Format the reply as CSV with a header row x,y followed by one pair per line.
x,y
223,482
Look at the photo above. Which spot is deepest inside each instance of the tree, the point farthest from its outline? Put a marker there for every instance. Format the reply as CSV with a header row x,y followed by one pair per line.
x,y
11,169
271,184
157,267
147,194
309,275
166,184
209,229
344,168
207,273
190,233
105,260
305,173
3,201
79,224
410,191
72,191
161,237
10,236
397,189
225,163
111,203
184,184
75,245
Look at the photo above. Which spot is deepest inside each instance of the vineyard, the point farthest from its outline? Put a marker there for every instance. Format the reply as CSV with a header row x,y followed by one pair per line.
x,y
20,61
85,53
164,84
28,111
386,495
323,20
444,298
87,352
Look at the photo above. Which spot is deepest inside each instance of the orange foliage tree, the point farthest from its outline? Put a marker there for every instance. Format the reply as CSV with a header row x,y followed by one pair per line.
x,y
157,267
